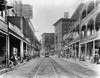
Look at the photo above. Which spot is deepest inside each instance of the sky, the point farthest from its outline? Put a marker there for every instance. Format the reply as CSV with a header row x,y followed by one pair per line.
x,y
47,12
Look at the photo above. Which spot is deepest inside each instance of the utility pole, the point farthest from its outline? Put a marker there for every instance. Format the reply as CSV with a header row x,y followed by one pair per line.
x,y
21,28
21,16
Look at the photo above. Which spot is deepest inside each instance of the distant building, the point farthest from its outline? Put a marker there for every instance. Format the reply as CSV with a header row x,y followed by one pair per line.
x,y
47,41
62,27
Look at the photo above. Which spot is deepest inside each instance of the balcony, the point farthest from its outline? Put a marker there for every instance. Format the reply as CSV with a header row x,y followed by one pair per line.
x,y
90,15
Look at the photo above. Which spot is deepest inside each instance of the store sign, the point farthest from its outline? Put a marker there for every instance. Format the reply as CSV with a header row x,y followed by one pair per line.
x,y
3,26
27,11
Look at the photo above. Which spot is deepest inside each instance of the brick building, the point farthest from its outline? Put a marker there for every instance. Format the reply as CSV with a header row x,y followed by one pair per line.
x,y
47,41
61,28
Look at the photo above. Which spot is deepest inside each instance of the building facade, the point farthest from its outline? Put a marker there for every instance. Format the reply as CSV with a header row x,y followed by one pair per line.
x,y
47,41
61,29
15,40
85,34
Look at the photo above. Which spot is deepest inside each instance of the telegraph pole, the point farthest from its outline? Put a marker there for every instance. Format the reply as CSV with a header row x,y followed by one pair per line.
x,y
21,16
21,27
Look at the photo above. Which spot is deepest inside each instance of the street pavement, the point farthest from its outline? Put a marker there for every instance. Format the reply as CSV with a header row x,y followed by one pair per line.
x,y
53,67
75,70
25,71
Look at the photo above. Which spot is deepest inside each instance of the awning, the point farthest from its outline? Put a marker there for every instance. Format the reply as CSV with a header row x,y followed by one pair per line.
x,y
28,33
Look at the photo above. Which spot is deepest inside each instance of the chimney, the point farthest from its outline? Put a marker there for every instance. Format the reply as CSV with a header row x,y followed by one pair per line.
x,y
66,15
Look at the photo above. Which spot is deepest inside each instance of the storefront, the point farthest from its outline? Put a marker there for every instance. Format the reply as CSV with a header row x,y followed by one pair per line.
x,y
14,47
3,44
3,50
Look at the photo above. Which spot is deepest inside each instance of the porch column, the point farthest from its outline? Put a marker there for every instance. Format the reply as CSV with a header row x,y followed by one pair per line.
x,y
93,48
86,31
85,49
79,50
75,50
7,51
26,49
21,50
72,50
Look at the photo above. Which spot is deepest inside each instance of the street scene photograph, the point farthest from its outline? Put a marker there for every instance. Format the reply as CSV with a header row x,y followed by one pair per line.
x,y
49,38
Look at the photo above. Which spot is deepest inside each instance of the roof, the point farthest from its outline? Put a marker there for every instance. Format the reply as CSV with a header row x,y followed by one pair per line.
x,y
63,19
77,11
47,34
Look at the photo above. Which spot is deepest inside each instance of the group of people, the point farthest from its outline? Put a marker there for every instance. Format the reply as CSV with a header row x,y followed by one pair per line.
x,y
96,58
14,60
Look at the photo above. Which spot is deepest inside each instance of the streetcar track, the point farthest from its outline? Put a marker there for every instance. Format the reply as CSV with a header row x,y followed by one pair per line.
x,y
67,70
54,70
38,68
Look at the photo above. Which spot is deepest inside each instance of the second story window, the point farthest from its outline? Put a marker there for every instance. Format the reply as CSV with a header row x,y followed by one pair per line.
x,y
83,14
90,7
83,31
90,27
97,23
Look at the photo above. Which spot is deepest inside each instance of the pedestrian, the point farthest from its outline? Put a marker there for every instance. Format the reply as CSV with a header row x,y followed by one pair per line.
x,y
96,57
13,60
83,57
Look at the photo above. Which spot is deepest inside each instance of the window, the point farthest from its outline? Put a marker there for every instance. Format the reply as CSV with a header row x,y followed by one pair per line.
x,y
90,7
1,13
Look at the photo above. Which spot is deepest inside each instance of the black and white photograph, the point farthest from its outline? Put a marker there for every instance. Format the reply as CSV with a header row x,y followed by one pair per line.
x,y
49,38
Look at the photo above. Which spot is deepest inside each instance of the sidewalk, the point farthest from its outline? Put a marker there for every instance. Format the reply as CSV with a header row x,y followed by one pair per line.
x,y
4,70
86,64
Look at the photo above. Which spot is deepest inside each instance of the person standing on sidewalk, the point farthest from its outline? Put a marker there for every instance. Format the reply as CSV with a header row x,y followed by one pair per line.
x,y
96,57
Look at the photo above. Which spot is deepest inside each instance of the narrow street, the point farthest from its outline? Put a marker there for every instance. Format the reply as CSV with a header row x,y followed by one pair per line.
x,y
49,38
52,67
